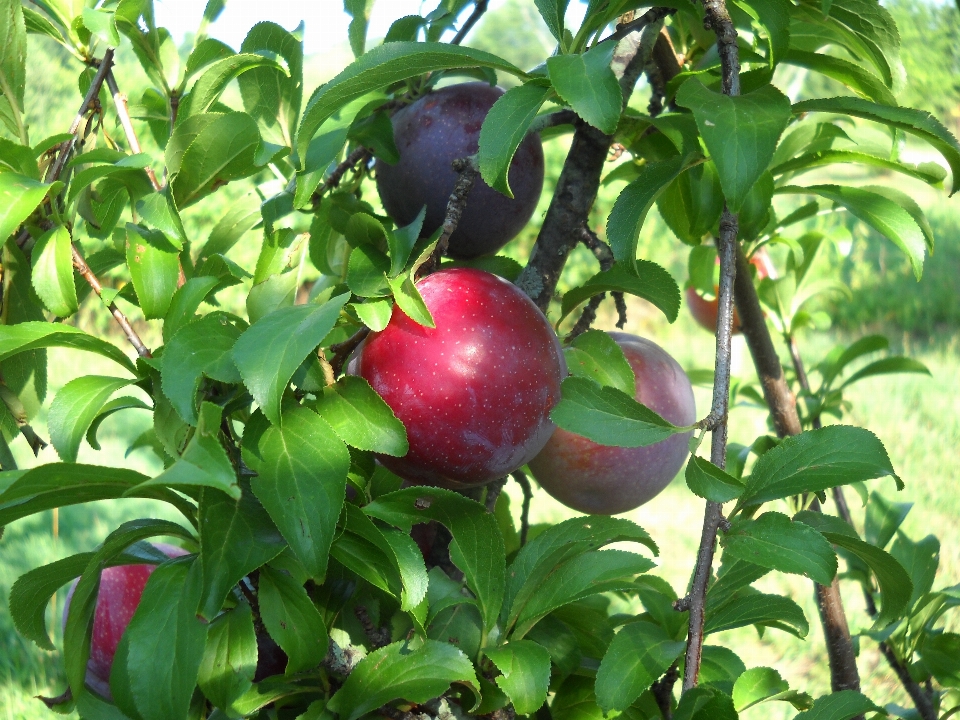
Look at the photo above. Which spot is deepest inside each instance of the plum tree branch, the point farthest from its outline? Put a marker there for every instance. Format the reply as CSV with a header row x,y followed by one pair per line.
x,y
341,351
844,674
648,18
524,484
123,112
479,8
467,172
360,154
577,187
727,247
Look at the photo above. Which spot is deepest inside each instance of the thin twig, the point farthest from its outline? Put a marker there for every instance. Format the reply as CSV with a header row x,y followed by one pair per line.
x,y
379,637
727,248
524,483
341,351
587,318
478,9
663,691
493,493
554,119
621,304
649,17
360,154
80,265
58,165
468,171
601,251
123,112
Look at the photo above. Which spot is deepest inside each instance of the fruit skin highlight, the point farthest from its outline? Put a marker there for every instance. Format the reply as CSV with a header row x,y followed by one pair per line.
x,y
606,480
474,393
430,134
121,588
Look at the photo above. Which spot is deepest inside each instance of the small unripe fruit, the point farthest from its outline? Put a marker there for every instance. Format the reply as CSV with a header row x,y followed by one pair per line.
x,y
430,134
475,392
119,595
606,480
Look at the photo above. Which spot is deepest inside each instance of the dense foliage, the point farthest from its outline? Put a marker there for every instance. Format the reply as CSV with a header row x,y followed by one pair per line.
x,y
316,584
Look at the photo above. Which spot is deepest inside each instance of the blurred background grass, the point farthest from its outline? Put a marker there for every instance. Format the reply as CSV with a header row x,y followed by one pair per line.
x,y
917,417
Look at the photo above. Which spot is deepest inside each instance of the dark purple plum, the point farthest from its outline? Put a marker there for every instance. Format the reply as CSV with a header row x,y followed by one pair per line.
x,y
475,392
607,480
431,133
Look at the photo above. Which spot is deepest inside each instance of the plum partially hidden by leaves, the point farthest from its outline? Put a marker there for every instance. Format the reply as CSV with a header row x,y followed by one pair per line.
x,y
119,595
430,134
475,392
606,480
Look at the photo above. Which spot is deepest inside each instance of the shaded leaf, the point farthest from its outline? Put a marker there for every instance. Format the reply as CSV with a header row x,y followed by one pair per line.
x,y
639,654
74,408
649,281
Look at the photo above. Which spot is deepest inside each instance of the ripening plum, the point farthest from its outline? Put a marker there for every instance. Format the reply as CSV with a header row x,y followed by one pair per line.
x,y
705,311
430,134
119,595
475,392
606,480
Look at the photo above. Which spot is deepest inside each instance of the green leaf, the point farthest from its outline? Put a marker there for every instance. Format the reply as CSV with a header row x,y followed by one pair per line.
x,y
53,272
238,220
940,653
630,210
608,416
929,172
201,348
383,66
165,634
896,587
910,205
74,408
236,538
711,483
887,366
504,128
230,658
208,89
302,474
774,541
359,11
596,355
185,302
649,281
159,212
757,609
756,685
477,546
586,574
401,670
154,268
915,122
639,654
525,674
740,133
27,492
292,620
102,25
268,93
920,559
375,314
402,241
817,460
691,204
13,77
409,300
840,705
774,17
19,195
882,214
40,25
705,703
204,462
861,81
883,519
224,149
361,418
588,84
546,553
552,12
108,409
291,333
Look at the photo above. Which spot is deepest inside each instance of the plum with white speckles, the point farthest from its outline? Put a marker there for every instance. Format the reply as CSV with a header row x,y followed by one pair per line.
x,y
607,480
119,595
471,415
437,129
